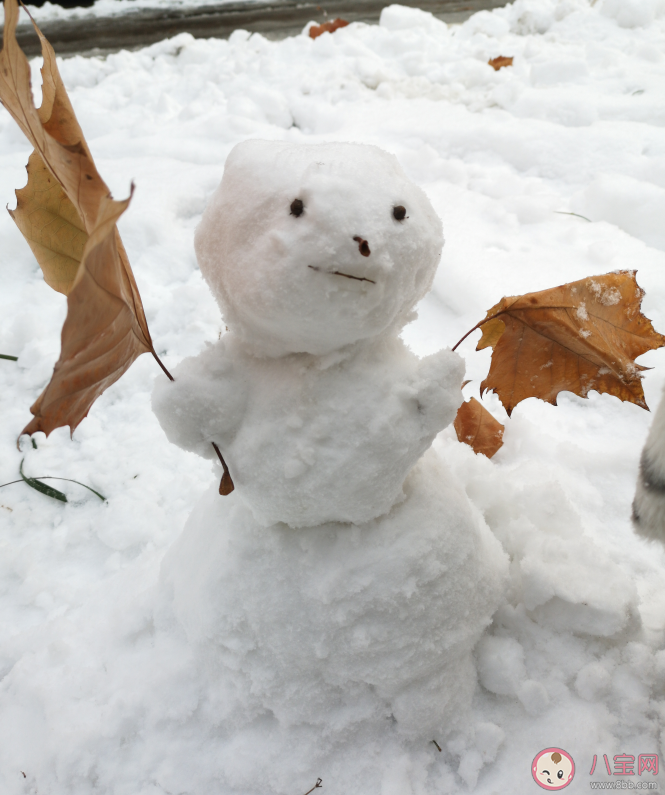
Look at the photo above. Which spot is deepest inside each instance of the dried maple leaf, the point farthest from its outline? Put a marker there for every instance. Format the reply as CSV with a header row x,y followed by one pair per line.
x,y
66,214
51,225
99,340
499,62
52,129
578,337
476,427
327,27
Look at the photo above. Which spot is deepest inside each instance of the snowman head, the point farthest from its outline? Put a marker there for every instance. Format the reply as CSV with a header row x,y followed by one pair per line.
x,y
311,247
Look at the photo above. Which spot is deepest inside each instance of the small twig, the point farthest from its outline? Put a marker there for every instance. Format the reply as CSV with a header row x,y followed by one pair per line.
x,y
319,783
345,275
226,483
160,363
6,356
437,745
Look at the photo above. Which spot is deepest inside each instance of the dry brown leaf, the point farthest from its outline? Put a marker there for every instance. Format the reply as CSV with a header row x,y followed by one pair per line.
x,y
52,129
499,62
99,340
578,337
226,485
66,214
476,427
51,225
327,27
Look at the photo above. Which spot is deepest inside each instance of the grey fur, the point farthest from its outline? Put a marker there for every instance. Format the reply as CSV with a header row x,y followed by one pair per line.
x,y
649,504
652,480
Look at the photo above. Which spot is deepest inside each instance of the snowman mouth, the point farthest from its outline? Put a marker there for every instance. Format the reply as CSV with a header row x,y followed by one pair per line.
x,y
341,273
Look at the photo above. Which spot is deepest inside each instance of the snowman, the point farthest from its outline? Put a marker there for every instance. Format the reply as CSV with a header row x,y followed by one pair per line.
x,y
347,578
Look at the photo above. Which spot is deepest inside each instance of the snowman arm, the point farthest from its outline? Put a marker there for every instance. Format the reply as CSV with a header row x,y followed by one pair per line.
x,y
203,405
438,389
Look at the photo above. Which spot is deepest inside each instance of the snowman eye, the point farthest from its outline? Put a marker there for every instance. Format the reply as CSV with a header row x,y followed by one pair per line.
x,y
399,213
297,207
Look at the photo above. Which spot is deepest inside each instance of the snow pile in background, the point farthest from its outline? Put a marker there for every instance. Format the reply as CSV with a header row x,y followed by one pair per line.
x,y
101,691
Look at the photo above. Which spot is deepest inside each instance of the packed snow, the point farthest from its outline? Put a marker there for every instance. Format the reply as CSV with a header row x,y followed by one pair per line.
x,y
322,412
138,659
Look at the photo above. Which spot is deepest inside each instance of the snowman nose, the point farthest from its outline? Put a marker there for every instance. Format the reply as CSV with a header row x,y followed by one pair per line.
x,y
363,246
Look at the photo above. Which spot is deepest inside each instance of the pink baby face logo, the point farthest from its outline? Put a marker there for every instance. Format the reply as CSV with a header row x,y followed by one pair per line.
x,y
553,769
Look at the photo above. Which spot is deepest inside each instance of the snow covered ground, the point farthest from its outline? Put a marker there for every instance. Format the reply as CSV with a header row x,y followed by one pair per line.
x,y
100,691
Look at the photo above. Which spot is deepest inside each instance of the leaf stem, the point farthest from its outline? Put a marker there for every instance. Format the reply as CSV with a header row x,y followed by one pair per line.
x,y
160,363
6,356
477,326
226,485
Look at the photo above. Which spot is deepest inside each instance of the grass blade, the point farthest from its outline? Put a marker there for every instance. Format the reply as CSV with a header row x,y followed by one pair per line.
x,y
49,491
53,477
577,215
69,480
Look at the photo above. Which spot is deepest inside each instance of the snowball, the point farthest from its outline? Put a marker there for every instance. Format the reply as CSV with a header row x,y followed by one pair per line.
x,y
500,665
469,768
340,269
533,696
489,738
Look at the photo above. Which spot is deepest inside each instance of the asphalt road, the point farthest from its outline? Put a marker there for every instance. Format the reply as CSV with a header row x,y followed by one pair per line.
x,y
274,19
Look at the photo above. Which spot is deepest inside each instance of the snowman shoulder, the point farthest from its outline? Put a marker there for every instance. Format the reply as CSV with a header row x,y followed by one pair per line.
x,y
205,403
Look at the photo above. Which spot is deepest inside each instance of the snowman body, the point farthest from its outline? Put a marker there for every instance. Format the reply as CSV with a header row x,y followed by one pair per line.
x,y
346,574
314,439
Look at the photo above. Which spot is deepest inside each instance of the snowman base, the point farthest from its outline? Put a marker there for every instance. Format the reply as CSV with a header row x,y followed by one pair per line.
x,y
341,626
